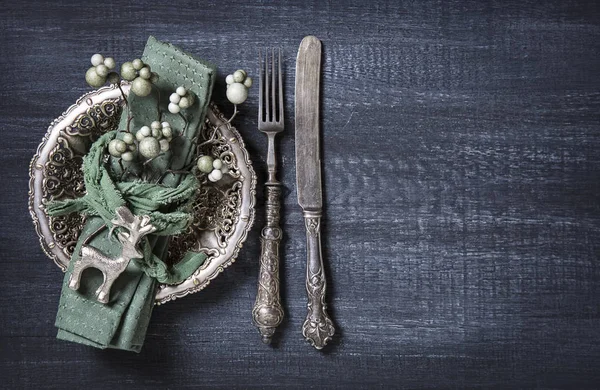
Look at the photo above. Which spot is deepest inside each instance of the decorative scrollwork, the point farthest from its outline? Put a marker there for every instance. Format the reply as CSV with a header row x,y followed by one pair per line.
x,y
318,328
313,225
267,313
98,119
63,175
216,207
66,230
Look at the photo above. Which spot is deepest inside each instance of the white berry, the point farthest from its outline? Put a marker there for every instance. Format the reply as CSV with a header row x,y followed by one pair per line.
x,y
110,63
217,163
238,76
102,70
167,132
145,73
164,145
174,98
127,156
184,102
120,146
217,174
229,79
149,147
174,108
97,59
181,91
128,138
112,149
237,93
137,64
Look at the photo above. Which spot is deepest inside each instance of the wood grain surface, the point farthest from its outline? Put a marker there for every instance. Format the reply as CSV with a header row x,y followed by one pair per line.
x,y
461,169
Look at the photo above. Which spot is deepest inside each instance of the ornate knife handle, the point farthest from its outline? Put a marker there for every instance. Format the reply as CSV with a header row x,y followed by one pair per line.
x,y
268,312
318,328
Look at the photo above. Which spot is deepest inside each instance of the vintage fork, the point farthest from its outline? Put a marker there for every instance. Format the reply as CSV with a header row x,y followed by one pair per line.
x,y
268,312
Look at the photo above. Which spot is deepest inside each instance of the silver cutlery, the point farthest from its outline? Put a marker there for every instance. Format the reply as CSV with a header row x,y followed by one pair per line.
x,y
268,312
318,327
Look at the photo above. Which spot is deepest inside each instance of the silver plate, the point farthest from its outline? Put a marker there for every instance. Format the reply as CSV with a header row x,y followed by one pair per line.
x,y
223,211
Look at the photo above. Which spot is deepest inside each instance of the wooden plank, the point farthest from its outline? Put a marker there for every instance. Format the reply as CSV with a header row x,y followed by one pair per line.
x,y
460,148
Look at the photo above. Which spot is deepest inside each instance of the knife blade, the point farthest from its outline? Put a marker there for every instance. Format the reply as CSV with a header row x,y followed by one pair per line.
x,y
318,327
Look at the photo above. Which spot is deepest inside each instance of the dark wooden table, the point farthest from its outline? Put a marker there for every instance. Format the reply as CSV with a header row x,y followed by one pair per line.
x,y
462,171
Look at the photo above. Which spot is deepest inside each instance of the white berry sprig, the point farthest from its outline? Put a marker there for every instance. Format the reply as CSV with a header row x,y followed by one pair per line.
x,y
123,148
141,76
180,99
100,72
214,167
238,84
154,139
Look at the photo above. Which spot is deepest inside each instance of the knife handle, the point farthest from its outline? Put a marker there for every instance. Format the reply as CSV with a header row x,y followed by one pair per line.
x,y
268,312
318,327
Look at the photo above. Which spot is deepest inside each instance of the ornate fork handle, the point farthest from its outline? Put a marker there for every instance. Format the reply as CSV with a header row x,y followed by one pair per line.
x,y
268,312
318,327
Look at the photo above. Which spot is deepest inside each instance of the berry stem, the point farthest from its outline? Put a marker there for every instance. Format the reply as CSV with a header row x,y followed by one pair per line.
x,y
186,123
123,94
158,103
211,139
129,119
235,112
152,159
173,172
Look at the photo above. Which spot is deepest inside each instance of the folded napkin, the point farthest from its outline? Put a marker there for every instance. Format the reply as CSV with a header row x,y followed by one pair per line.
x,y
123,321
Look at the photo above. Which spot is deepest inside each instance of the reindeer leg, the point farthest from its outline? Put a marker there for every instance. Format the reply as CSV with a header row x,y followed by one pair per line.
x,y
84,261
75,277
103,291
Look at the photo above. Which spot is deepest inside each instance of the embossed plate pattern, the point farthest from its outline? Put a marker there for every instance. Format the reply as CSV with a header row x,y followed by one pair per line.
x,y
223,211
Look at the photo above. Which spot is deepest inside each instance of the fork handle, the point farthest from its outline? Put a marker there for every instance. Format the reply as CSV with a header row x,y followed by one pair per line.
x,y
318,328
268,312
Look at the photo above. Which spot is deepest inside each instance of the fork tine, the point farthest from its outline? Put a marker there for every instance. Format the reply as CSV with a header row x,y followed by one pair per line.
x,y
273,86
280,89
266,89
260,87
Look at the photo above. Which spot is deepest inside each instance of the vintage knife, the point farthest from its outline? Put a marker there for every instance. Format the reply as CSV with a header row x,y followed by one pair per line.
x,y
318,328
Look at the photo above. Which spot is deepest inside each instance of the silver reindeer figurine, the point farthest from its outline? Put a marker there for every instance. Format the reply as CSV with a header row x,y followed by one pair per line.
x,y
111,268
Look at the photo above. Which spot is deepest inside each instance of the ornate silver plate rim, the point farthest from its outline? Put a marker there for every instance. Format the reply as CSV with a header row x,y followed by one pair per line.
x,y
219,258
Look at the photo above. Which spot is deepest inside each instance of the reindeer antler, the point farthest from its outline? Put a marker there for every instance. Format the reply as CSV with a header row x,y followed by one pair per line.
x,y
137,227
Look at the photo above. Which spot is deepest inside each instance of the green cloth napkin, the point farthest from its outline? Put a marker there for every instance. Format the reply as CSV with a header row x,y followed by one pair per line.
x,y
122,323
119,324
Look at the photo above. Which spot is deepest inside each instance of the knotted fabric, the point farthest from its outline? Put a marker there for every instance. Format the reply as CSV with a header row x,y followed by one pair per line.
x,y
103,196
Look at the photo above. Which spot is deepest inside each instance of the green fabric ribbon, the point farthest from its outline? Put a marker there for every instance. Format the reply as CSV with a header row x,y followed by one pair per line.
x,y
103,197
